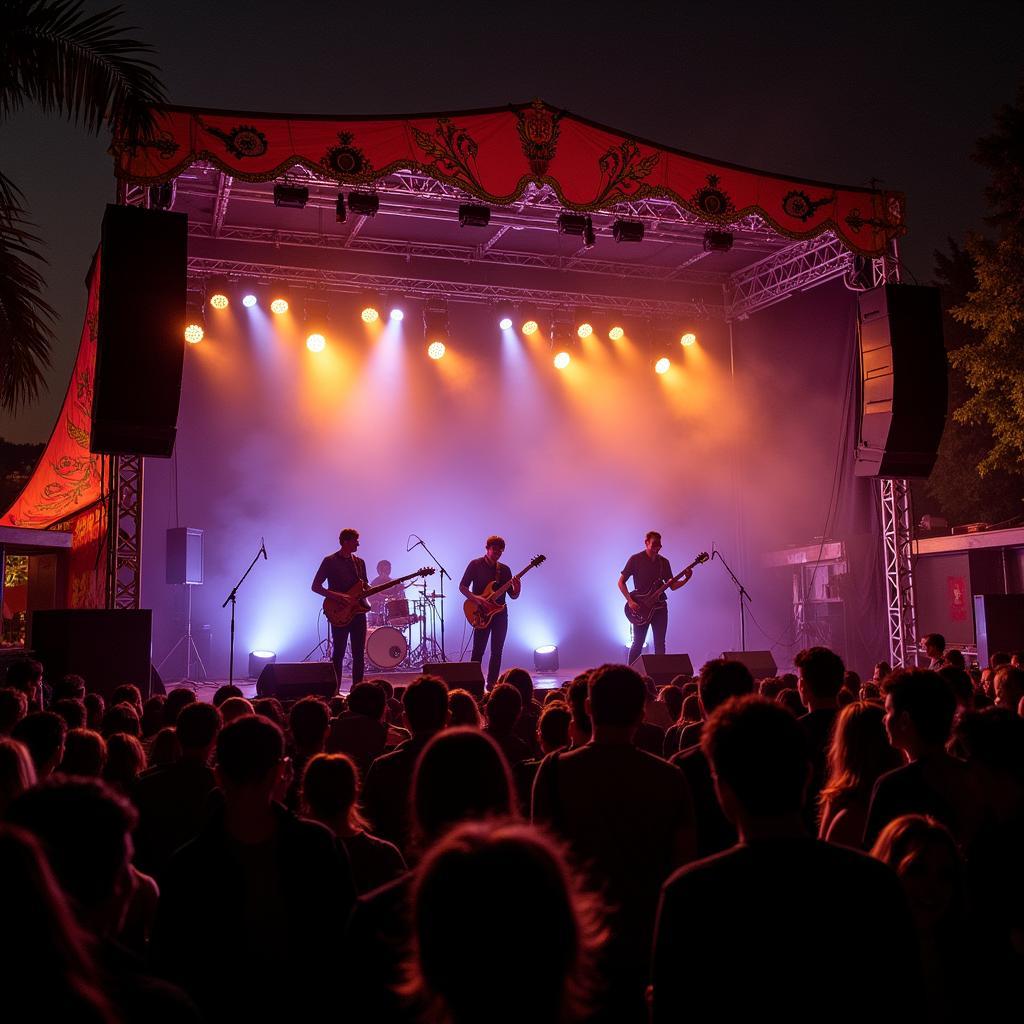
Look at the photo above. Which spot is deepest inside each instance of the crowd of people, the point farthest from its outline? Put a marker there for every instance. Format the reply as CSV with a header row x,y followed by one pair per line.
x,y
814,845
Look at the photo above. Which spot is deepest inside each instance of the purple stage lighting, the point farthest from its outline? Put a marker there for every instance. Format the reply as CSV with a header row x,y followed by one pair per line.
x,y
505,323
397,315
249,300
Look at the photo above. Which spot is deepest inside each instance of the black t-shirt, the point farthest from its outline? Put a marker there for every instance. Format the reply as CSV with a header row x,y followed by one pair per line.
x,y
480,572
647,572
341,572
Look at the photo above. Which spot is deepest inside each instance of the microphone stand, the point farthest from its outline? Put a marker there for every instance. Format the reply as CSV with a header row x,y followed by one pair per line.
x,y
231,598
444,572
743,595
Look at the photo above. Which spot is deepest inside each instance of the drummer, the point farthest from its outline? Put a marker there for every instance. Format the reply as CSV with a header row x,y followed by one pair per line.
x,y
378,601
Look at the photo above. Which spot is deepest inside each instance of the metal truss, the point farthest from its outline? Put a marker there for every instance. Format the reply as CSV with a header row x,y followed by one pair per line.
x,y
897,540
795,268
455,291
124,526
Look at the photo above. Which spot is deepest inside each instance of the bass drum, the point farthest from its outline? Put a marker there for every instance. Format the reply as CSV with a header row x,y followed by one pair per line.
x,y
386,647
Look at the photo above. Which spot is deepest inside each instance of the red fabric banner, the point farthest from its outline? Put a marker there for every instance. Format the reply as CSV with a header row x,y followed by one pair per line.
x,y
495,154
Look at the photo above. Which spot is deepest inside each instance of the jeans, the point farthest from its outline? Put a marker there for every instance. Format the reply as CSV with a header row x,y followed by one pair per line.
x,y
356,629
495,632
659,622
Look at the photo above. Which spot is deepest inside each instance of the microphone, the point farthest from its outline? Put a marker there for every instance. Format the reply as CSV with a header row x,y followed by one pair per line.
x,y
263,548
419,541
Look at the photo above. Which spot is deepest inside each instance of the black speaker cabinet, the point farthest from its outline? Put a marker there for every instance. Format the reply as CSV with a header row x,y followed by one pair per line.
x,y
761,663
903,381
184,555
141,349
464,675
105,647
295,680
663,668
998,624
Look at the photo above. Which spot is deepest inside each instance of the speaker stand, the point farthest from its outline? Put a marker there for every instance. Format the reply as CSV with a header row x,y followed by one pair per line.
x,y
190,648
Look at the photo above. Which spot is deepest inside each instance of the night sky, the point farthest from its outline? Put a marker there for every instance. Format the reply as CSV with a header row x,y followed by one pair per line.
x,y
896,93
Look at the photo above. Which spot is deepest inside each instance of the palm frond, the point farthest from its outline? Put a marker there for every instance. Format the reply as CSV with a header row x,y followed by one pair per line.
x,y
82,66
26,318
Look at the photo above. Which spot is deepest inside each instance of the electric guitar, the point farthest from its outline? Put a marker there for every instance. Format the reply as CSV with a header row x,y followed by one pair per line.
x,y
480,615
341,612
647,603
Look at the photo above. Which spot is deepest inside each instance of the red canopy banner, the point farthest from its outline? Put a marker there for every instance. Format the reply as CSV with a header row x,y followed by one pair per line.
x,y
495,155
68,477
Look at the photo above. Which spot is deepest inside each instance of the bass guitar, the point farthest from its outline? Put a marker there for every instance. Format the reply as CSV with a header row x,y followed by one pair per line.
x,y
480,615
648,602
340,612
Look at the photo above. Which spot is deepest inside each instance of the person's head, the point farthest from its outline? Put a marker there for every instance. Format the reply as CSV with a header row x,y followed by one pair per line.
x,y
882,669
577,696
197,729
960,684
851,682
383,567
859,753
349,541
770,686
13,708
153,715
234,708
85,828
224,692
121,718
460,775
484,894
919,710
26,674
721,679
70,687
992,741
870,691
426,705
955,659
309,721
789,698
250,752
759,759
553,727
270,707
367,699
95,709
463,709
126,760
17,772
690,711
925,856
338,705
652,542
164,748
820,679
503,708
330,788
523,682
1008,685
72,711
85,754
934,645
43,733
616,697
672,697
128,693
494,547
997,658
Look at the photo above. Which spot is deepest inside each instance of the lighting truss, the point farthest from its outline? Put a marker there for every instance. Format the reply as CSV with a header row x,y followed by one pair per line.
x,y
124,531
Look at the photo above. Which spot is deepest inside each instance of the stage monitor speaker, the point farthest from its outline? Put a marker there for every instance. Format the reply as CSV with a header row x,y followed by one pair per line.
x,y
185,555
465,675
663,668
761,663
140,348
106,647
903,381
998,624
295,680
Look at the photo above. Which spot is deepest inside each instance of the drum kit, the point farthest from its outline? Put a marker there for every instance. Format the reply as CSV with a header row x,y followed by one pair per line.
x,y
392,630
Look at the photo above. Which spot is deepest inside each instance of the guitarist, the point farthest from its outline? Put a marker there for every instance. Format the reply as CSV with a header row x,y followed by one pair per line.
x,y
649,569
479,573
342,571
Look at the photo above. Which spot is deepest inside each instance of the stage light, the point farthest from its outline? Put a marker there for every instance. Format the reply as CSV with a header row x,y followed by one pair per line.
x,y
194,333
249,300
505,323
689,338
717,241
294,197
545,659
161,197
339,208
195,321
397,315
530,327
279,306
436,349
572,223
219,301
316,343
369,315
585,329
662,365
435,321
217,293
472,215
258,661
616,333
366,204
562,360
628,231
589,238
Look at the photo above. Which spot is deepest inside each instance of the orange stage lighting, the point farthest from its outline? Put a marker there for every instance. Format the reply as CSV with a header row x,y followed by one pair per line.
x,y
616,333
531,327
436,349
370,315
194,333
279,306
316,343
562,360
662,365
585,330
689,338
